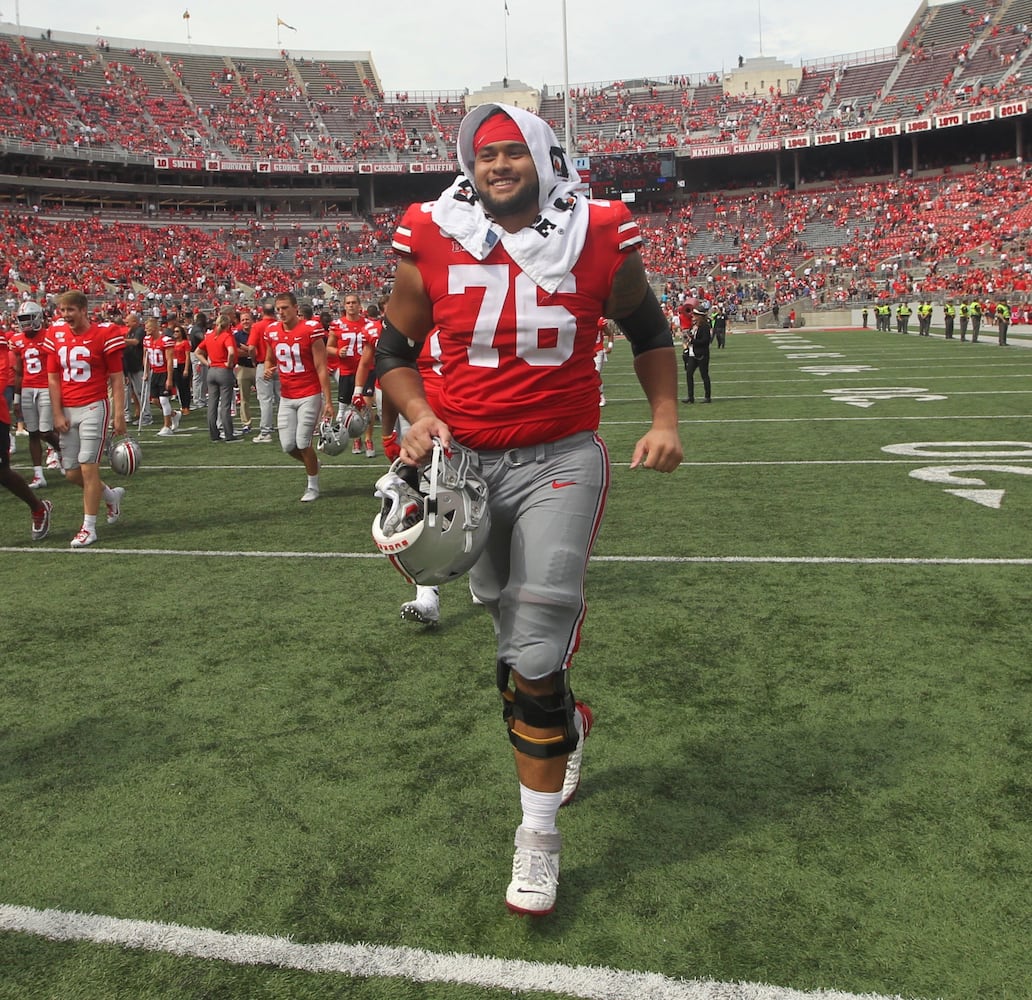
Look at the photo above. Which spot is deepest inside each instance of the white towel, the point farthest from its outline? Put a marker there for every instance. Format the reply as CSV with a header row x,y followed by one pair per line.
x,y
548,249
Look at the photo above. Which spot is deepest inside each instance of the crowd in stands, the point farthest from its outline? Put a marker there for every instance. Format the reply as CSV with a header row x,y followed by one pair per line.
x,y
962,233
141,102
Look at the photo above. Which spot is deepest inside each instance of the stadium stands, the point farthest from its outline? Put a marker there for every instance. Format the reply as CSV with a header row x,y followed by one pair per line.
x,y
951,234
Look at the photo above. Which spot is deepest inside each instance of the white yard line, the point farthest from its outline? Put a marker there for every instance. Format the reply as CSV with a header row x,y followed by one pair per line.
x,y
382,962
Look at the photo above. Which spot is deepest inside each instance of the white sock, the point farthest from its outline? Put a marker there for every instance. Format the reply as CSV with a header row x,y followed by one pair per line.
x,y
37,470
424,594
540,808
313,482
89,522
108,494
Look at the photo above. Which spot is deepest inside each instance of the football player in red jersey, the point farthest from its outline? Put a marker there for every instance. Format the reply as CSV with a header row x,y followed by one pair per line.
x,y
32,386
297,348
84,363
159,357
266,380
345,343
9,479
370,386
515,266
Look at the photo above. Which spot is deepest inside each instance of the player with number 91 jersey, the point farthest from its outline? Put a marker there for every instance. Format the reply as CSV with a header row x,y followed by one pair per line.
x,y
292,350
503,389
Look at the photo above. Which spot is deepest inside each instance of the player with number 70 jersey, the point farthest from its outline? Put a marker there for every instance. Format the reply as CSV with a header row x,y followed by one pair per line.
x,y
507,387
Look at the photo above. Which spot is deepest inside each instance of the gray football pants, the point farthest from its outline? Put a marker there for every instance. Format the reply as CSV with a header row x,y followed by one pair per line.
x,y
546,509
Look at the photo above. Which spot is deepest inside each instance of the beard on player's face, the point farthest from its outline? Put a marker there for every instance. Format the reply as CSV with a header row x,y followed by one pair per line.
x,y
517,202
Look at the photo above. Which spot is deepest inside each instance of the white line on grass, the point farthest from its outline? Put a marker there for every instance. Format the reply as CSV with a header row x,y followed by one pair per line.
x,y
685,422
745,560
378,961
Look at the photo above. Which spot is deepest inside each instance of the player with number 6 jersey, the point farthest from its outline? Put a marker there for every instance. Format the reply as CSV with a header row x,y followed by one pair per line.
x,y
32,384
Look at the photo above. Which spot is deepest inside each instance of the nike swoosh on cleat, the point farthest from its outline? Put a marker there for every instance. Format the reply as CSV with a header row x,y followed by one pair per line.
x,y
557,485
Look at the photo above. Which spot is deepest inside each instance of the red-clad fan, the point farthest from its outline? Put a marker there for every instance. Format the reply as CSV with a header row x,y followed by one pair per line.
x,y
181,367
158,359
84,363
297,348
10,479
32,386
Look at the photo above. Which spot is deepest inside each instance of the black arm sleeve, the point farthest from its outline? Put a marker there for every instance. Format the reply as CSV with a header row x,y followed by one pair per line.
x,y
395,350
646,327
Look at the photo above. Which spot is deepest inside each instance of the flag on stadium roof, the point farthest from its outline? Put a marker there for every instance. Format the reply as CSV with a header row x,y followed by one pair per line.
x,y
280,23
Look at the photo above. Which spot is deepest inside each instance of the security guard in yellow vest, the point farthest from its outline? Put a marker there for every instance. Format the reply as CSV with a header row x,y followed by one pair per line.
x,y
903,317
1003,315
964,312
976,319
949,310
884,316
924,318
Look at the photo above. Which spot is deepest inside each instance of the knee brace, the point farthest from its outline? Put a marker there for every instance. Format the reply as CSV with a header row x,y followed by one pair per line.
x,y
521,711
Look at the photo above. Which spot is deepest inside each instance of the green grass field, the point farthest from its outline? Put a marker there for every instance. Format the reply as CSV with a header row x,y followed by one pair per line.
x,y
808,652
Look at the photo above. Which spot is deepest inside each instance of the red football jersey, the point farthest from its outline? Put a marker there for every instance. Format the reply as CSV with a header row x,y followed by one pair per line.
x,y
292,350
156,347
519,363
84,360
350,340
430,368
33,358
256,338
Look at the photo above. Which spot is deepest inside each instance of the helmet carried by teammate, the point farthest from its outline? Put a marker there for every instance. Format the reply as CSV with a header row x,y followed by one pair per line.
x,y
333,437
125,457
355,420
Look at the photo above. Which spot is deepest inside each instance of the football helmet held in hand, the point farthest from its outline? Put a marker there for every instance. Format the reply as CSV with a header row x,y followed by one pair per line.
x,y
332,437
125,456
433,521
355,421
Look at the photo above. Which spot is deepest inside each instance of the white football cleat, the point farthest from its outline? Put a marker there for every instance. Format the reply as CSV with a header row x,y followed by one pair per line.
x,y
583,720
425,609
535,872
166,432
83,538
38,483
309,495
177,415
114,508
53,461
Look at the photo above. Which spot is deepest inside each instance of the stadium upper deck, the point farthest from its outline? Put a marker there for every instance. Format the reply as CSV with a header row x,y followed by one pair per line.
x,y
233,109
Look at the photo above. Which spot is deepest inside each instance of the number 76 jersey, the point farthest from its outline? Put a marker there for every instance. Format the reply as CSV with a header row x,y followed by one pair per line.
x,y
518,362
